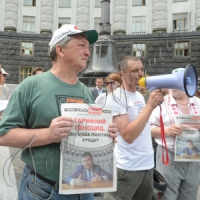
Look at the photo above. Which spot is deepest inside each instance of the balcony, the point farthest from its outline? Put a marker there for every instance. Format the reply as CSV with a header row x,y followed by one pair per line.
x,y
138,33
28,32
181,30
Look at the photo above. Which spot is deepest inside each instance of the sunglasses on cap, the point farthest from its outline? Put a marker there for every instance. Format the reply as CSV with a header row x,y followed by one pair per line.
x,y
111,83
4,75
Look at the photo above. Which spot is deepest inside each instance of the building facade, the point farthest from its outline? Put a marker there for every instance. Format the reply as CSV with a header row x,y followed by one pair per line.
x,y
164,33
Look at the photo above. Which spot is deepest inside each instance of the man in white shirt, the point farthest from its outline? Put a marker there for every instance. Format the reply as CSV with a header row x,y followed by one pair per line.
x,y
134,152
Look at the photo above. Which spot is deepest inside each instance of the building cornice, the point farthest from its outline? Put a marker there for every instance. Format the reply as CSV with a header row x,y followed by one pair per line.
x,y
14,35
157,36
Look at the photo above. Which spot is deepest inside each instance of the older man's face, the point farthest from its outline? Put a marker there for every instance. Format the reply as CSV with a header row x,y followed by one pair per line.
x,y
76,54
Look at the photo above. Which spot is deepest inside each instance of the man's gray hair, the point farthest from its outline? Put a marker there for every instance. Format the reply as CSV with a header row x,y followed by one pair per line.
x,y
123,63
63,43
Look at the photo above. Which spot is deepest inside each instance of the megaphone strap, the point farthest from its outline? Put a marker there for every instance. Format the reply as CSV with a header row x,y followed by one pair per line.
x,y
165,161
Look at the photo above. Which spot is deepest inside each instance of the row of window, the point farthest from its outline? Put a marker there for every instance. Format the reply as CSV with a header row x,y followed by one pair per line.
x,y
27,48
180,22
29,23
143,2
67,3
62,3
180,49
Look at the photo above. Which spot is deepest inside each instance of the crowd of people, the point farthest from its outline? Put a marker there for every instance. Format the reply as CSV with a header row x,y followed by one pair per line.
x,y
136,120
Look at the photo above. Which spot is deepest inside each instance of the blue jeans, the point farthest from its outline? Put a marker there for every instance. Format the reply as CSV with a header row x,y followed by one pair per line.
x,y
36,189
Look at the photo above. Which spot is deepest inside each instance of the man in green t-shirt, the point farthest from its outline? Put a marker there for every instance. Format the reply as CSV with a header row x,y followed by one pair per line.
x,y
33,121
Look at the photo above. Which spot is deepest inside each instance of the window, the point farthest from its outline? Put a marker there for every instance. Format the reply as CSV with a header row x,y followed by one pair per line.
x,y
139,24
25,72
96,24
139,50
28,24
180,21
138,2
29,2
62,21
181,49
65,3
27,48
179,1
97,3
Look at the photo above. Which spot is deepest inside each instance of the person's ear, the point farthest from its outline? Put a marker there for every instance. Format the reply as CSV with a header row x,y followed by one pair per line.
x,y
59,50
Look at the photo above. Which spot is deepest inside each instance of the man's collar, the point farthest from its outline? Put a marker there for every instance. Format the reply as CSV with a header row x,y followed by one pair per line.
x,y
98,88
90,170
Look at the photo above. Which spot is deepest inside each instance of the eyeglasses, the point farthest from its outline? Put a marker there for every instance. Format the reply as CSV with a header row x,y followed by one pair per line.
x,y
111,82
4,75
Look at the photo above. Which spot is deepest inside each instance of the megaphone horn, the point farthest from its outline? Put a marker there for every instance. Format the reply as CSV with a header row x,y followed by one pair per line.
x,y
185,80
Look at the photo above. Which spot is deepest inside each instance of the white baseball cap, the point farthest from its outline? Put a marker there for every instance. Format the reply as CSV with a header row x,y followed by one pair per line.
x,y
3,71
177,70
69,30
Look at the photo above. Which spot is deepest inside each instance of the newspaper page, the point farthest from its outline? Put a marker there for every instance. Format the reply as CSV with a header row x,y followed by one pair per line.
x,y
187,145
87,156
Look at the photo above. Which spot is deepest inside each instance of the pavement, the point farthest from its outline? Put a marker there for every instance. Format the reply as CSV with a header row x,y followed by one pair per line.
x,y
8,184
15,170
14,175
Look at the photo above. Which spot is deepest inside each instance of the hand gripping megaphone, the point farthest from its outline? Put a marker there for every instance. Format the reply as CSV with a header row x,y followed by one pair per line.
x,y
185,80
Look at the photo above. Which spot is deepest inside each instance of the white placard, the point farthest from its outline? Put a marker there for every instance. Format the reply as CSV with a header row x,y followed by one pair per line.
x,y
89,136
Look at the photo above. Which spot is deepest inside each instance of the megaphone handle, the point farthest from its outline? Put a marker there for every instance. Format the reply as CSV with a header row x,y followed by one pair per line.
x,y
165,161
152,88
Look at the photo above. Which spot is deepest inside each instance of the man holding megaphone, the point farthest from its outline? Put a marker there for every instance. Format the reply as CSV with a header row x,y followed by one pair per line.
x,y
182,177
134,152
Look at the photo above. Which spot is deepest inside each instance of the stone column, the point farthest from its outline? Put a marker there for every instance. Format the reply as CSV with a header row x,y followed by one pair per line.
x,y
46,16
11,10
82,13
197,15
159,16
119,17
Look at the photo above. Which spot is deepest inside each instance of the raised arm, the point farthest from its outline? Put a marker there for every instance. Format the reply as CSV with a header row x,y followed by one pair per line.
x,y
131,130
